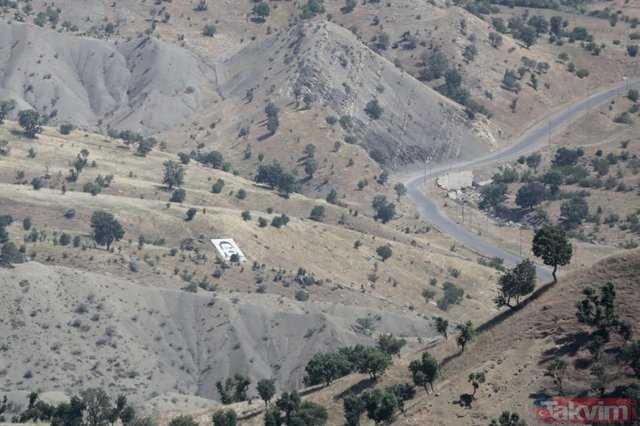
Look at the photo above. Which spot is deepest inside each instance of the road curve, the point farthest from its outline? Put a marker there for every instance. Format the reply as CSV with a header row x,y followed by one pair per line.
x,y
533,139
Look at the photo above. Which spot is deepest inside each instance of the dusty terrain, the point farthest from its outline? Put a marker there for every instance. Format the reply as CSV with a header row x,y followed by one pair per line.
x,y
161,318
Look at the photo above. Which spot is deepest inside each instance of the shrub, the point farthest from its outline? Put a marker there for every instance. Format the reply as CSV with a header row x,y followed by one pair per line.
x,y
65,129
178,195
209,30
246,215
242,194
191,214
582,73
452,295
317,213
216,188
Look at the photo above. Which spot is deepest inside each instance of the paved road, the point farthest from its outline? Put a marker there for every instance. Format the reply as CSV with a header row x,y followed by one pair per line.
x,y
532,140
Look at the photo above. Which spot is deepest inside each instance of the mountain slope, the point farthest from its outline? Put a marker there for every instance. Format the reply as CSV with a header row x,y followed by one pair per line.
x,y
143,85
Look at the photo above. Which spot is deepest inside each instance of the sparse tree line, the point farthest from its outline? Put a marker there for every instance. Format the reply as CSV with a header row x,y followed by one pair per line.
x,y
91,407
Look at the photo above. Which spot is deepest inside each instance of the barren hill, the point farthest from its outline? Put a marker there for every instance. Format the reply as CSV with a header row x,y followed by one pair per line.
x,y
64,329
142,85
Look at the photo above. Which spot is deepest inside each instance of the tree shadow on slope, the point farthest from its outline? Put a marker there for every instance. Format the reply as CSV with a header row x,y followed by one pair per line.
x,y
356,388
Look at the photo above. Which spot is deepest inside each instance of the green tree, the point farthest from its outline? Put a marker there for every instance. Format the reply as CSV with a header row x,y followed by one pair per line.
x,y
374,362
530,195
317,213
516,283
326,367
183,420
262,10
234,389
389,344
173,174
5,109
574,211
310,167
552,245
492,195
266,389
384,252
332,197
384,210
178,196
380,405
476,379
442,326
400,190
224,418
403,392
97,407
30,121
354,406
106,229
424,371
373,109
9,254
508,419
466,334
191,213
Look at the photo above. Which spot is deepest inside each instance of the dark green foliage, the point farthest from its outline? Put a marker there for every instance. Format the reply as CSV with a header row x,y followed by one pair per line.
x,y
380,405
191,213
424,371
266,389
273,120
209,30
246,215
552,245
106,229
312,8
492,196
391,345
574,211
317,213
384,252
217,187
516,283
508,419
290,410
183,420
66,128
403,392
30,121
567,156
224,418
354,406
274,176
234,389
280,221
435,65
10,254
384,210
442,327
400,190
212,159
326,367
178,195
373,109
332,197
452,296
530,195
173,174
467,332
5,109
630,355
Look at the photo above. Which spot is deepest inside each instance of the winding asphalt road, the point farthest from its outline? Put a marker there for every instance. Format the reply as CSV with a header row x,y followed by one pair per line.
x,y
532,140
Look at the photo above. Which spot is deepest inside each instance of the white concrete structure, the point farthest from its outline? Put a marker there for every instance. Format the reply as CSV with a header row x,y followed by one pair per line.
x,y
227,247
456,181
